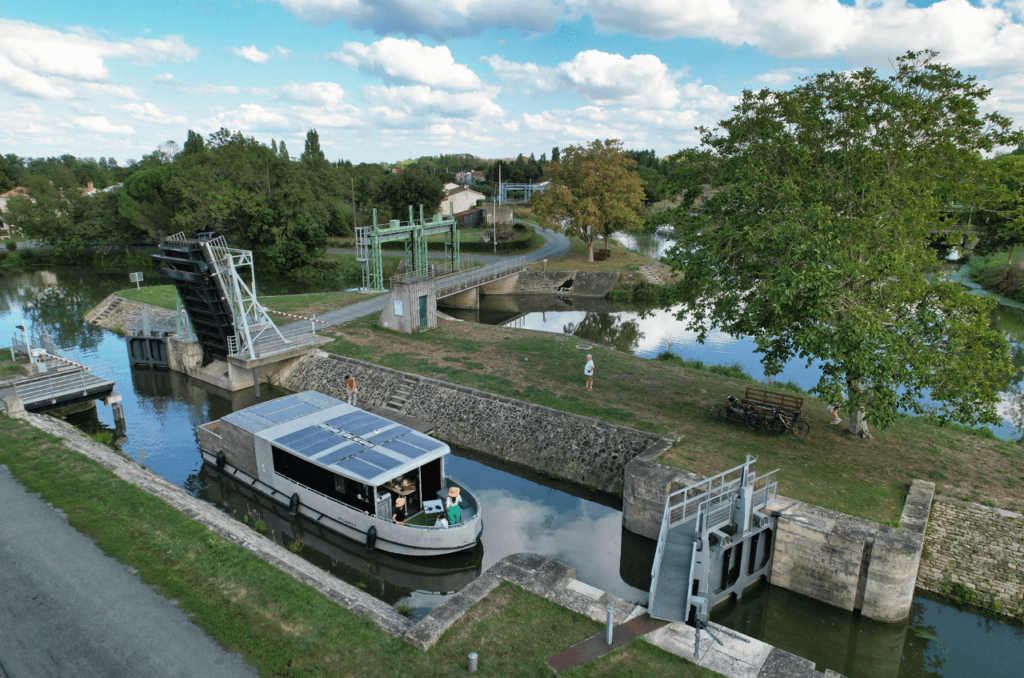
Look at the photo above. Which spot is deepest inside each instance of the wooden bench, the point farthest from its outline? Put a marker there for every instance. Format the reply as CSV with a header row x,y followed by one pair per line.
x,y
760,399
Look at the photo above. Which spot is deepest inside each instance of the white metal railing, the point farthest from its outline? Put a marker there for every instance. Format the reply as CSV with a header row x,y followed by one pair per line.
x,y
481,276
269,343
64,383
434,271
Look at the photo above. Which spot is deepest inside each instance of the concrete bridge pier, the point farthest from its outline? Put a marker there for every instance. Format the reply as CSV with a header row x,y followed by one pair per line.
x,y
467,300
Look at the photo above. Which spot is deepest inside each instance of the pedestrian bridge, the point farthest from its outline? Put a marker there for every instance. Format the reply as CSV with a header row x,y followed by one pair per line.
x,y
458,284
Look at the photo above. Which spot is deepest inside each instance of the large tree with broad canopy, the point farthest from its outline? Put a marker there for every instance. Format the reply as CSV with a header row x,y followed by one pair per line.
x,y
808,223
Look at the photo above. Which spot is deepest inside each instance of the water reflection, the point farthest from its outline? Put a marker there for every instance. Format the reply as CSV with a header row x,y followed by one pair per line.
x,y
937,640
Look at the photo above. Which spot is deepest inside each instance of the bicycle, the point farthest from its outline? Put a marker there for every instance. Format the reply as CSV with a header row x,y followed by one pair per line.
x,y
780,423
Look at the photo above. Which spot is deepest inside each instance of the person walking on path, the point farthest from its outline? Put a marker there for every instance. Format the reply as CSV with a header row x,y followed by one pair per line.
x,y
350,384
588,371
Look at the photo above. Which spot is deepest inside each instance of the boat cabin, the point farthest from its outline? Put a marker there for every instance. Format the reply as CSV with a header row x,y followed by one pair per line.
x,y
343,464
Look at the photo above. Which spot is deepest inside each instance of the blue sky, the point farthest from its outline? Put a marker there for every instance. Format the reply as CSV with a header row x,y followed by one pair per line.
x,y
394,79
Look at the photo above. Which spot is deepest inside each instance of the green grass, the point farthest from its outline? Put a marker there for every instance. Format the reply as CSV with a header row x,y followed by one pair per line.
x,y
280,626
10,369
163,296
830,468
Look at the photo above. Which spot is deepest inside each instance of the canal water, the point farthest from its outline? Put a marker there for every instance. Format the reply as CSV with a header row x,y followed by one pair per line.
x,y
525,512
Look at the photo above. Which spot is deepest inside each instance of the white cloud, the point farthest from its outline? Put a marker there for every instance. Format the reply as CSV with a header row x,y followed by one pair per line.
x,y
603,78
44,63
443,19
252,54
328,94
408,62
966,35
99,123
148,112
163,77
779,77
420,101
598,77
249,117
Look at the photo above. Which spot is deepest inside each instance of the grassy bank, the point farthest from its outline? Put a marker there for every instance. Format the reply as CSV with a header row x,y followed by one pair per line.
x,y
621,260
867,478
280,626
991,272
307,305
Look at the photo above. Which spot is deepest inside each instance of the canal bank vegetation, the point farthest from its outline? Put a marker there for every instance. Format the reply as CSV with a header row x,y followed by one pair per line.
x,y
998,273
308,305
283,627
830,467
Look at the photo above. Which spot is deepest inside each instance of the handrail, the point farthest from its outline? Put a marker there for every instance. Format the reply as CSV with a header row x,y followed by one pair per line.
x,y
434,271
483,275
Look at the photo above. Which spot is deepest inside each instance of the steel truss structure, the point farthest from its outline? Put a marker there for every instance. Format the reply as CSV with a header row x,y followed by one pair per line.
x,y
216,286
414,235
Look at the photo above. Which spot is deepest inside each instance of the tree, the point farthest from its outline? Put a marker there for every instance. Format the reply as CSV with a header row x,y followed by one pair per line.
x,y
554,154
311,154
193,144
593,192
412,187
814,237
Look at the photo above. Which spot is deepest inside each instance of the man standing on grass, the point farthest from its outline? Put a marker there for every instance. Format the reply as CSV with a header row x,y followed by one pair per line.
x,y
588,371
350,384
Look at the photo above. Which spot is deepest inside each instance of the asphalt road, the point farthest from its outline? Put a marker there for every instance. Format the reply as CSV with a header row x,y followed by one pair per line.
x,y
66,609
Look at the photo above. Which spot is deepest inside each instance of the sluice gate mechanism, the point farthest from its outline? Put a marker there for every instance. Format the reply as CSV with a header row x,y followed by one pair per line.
x,y
414,235
715,541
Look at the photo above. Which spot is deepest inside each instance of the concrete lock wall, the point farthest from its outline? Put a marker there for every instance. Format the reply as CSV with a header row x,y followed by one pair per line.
x,y
842,560
581,449
584,284
978,548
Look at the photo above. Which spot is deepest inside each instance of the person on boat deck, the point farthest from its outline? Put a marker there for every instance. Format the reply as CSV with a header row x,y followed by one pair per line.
x,y
452,506
399,515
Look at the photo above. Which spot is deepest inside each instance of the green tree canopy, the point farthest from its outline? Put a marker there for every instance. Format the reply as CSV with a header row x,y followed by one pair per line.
x,y
818,208
412,187
594,191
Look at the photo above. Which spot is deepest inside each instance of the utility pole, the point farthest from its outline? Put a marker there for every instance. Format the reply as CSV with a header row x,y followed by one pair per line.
x,y
355,222
494,218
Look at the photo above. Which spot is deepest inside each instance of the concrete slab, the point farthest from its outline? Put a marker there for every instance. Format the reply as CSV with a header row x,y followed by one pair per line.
x,y
585,589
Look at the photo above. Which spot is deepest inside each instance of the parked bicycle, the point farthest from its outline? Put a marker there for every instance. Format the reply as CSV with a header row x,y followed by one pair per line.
x,y
782,422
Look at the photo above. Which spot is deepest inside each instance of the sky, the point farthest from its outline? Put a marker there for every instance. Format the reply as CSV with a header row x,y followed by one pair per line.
x,y
395,79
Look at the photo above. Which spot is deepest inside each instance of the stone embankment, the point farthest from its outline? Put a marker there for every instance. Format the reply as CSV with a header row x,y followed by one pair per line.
x,y
975,554
113,313
585,450
565,283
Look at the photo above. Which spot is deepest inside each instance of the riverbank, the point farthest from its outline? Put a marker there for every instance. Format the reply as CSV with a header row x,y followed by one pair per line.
x,y
280,625
865,478
993,274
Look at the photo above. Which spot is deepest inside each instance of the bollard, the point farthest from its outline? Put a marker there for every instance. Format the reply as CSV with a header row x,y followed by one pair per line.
x,y
472,662
611,624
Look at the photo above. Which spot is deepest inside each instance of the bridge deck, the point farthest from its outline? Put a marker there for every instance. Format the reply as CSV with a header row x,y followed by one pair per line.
x,y
669,599
64,387
461,282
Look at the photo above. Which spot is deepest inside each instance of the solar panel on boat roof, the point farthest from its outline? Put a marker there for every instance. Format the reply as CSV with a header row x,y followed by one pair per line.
x,y
294,438
423,442
293,412
320,446
404,448
393,432
359,468
275,405
378,459
346,420
315,438
349,450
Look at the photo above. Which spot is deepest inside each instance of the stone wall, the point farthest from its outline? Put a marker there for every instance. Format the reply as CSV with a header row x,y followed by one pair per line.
x,y
975,548
585,450
584,283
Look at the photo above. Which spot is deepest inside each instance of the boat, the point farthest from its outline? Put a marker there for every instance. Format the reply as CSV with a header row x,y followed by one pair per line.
x,y
345,468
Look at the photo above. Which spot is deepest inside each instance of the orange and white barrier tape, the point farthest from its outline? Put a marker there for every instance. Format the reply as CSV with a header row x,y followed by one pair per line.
x,y
300,317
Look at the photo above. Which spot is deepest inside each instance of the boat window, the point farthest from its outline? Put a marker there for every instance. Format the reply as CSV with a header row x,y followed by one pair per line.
x,y
323,481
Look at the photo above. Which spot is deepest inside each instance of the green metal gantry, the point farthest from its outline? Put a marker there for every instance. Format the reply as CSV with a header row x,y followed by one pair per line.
x,y
414,235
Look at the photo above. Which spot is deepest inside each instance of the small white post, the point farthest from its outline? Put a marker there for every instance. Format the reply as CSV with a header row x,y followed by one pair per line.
x,y
472,662
611,624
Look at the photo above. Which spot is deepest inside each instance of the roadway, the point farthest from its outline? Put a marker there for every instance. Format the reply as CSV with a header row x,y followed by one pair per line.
x,y
66,609
555,245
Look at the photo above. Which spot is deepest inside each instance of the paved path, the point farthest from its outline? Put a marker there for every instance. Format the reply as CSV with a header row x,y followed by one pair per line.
x,y
555,245
66,609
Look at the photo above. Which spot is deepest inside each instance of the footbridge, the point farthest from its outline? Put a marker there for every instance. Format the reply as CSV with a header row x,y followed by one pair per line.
x,y
453,281
60,379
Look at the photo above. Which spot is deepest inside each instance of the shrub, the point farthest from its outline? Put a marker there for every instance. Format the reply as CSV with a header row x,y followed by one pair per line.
x,y
11,245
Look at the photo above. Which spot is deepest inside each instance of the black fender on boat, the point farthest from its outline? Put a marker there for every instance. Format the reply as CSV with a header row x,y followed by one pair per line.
x,y
220,460
293,505
371,538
